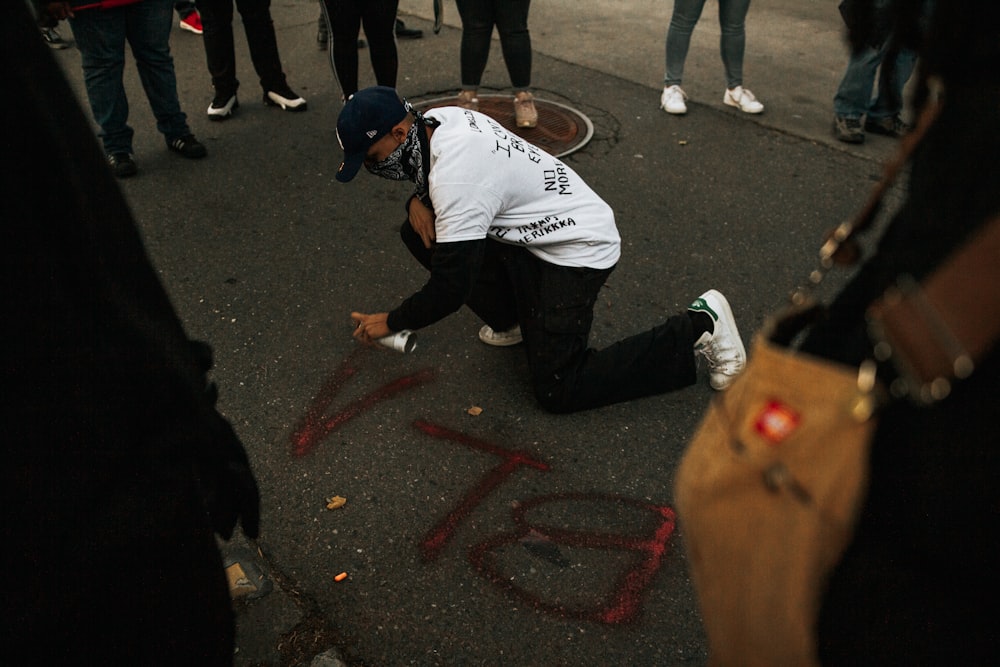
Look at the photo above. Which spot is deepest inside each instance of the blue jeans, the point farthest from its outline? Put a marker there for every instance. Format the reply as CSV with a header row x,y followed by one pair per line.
x,y
554,306
854,95
732,42
100,37
511,20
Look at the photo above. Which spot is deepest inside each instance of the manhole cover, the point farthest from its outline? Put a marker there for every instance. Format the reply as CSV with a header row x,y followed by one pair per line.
x,y
561,130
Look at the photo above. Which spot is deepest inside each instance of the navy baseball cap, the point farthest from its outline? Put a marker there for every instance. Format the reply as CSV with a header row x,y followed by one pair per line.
x,y
368,116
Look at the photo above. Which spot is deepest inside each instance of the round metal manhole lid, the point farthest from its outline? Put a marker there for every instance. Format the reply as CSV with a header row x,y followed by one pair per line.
x,y
561,129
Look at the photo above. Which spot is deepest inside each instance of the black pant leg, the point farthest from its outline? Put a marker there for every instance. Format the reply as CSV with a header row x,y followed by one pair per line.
x,y
556,311
220,54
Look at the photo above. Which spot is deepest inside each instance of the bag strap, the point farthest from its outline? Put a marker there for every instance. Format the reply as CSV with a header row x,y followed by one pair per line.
x,y
840,246
936,332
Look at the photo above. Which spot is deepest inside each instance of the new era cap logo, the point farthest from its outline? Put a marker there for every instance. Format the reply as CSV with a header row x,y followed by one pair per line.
x,y
371,133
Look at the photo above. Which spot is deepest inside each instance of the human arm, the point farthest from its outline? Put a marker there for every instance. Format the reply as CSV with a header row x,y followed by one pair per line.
x,y
422,220
462,213
454,269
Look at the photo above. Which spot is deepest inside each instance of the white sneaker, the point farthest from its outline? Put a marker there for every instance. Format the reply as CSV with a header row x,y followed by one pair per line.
x,y
672,100
722,348
506,338
742,99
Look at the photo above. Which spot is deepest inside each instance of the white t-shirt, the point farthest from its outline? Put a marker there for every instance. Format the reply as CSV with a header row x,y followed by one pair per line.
x,y
486,181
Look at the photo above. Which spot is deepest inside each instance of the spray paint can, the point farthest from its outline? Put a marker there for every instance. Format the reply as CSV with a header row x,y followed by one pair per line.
x,y
404,341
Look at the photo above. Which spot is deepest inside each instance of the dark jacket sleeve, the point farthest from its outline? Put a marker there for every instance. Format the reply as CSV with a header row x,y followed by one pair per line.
x,y
454,269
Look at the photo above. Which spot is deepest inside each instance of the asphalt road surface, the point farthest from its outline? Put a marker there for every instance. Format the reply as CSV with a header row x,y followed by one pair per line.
x,y
511,536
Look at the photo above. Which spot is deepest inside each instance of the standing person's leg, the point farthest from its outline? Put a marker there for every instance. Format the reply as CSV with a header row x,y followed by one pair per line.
x,y
100,37
148,33
732,46
345,24
263,45
515,40
556,310
477,30
854,94
884,114
379,19
220,55
732,39
682,22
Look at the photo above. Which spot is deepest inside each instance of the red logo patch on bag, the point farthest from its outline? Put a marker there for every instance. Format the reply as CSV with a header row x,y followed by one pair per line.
x,y
776,422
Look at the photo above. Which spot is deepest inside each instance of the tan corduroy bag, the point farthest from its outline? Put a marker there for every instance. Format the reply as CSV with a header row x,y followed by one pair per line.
x,y
770,485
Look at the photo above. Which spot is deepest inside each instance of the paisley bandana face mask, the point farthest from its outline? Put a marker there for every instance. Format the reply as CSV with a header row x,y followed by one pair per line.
x,y
412,159
405,163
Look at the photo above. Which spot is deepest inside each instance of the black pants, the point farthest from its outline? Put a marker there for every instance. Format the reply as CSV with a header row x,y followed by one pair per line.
x,y
217,20
511,20
345,18
554,306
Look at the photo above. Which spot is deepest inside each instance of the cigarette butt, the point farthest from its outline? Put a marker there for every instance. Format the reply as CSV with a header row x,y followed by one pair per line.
x,y
340,577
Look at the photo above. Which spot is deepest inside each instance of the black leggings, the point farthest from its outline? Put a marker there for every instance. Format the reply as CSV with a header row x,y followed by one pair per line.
x,y
511,20
344,18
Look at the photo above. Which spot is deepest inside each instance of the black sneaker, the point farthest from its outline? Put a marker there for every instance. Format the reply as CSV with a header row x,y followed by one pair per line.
x,y
54,39
122,164
889,126
848,130
188,146
407,33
